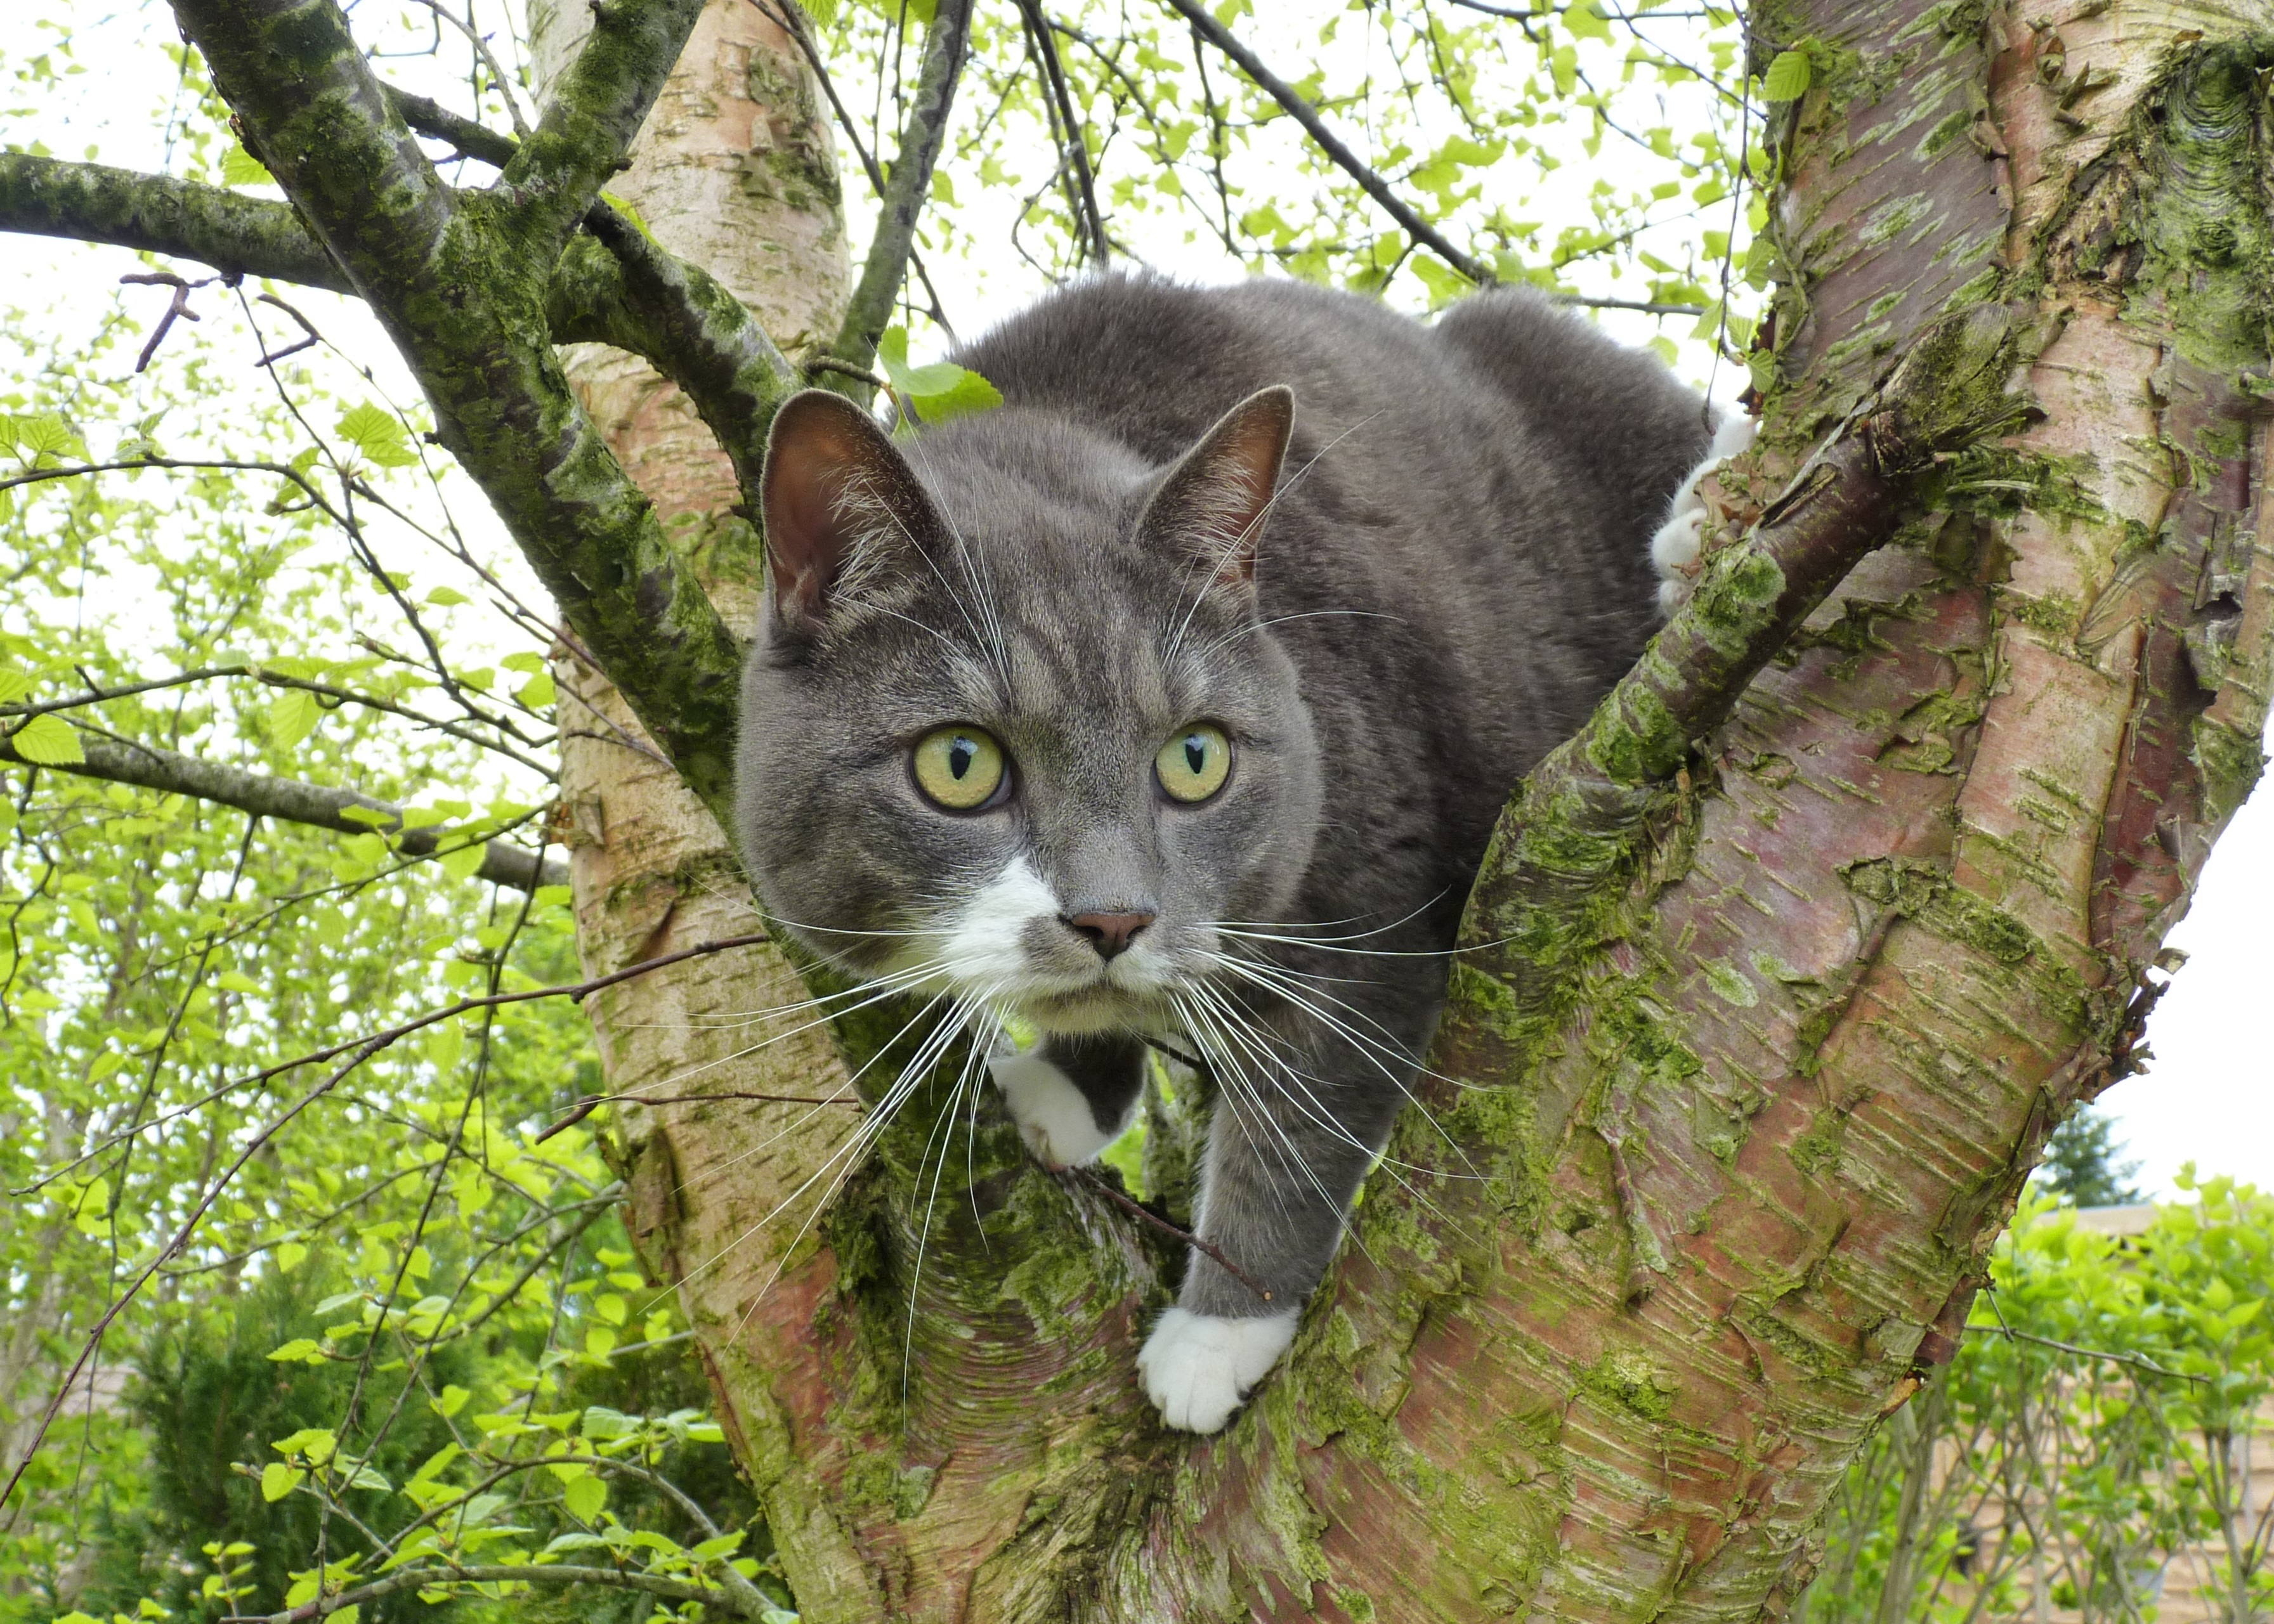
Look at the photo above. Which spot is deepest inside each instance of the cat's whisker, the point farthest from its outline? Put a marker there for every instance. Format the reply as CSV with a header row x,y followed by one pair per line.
x,y
1257,1041
1302,991
875,995
1282,927
722,1167
729,1022
1290,1158
841,1163
862,1132
1370,1049
1253,626
1396,1167
943,1132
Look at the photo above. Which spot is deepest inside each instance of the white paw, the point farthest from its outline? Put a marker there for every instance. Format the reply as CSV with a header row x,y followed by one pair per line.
x,y
1673,549
1197,1368
1053,1116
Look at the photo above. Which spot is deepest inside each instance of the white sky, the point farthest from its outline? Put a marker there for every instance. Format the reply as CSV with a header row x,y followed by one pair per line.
x,y
2210,1096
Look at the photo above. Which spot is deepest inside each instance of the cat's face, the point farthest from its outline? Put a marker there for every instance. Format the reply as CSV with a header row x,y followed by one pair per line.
x,y
1015,734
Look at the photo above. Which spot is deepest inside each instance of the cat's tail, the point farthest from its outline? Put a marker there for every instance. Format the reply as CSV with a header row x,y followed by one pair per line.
x,y
1676,546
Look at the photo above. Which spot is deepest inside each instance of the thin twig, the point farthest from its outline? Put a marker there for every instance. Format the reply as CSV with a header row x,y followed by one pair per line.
x,y
1217,34
178,310
1136,1209
2133,1360
591,1103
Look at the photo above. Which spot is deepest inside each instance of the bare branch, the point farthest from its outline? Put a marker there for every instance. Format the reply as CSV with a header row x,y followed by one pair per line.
x,y
172,773
870,311
1304,114
1089,221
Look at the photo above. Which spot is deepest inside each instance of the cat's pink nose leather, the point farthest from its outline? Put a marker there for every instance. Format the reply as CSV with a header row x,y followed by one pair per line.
x,y
1109,932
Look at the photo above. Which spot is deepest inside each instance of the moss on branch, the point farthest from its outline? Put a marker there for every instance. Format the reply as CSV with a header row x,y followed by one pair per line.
x,y
595,112
462,292
94,203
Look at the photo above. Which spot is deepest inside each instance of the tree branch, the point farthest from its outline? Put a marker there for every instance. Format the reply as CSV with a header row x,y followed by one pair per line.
x,y
674,315
1076,150
94,203
172,773
453,278
598,108
618,1578
870,311
472,139
1570,837
1304,114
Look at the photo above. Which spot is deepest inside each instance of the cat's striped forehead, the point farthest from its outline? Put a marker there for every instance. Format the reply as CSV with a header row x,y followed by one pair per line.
x,y
1025,632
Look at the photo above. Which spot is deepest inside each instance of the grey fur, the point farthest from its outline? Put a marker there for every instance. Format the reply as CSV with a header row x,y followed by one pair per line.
x,y
1453,572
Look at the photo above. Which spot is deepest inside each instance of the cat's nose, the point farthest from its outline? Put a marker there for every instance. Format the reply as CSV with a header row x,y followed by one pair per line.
x,y
1110,934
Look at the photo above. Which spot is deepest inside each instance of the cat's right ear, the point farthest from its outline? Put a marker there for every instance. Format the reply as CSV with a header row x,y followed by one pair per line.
x,y
1213,503
837,495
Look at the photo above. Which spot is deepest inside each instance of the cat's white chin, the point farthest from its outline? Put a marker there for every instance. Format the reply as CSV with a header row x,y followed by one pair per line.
x,y
1198,1369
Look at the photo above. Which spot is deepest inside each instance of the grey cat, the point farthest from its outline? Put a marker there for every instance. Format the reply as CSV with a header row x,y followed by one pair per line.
x,y
1175,699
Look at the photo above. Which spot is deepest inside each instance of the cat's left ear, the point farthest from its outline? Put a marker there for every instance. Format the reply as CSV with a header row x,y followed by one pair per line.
x,y
1213,503
838,499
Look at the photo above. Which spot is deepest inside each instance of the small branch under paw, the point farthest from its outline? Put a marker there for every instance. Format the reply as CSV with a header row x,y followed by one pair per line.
x,y
1137,1210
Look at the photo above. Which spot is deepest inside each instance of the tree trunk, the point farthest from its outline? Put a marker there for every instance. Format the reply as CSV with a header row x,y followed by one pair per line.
x,y
1743,1102
735,171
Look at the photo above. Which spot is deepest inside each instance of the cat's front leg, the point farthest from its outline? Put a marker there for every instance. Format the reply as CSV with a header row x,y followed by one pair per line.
x,y
1071,1096
1285,1153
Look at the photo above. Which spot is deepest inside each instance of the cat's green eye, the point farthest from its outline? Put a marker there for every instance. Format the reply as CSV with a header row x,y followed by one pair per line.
x,y
961,768
1194,765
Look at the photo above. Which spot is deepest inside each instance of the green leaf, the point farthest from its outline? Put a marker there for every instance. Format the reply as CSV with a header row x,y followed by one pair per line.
x,y
240,168
13,686
277,1480
290,1257
378,435
300,1348
824,13
48,742
316,1442
970,393
444,598
538,692
1585,22
585,1497
293,716
464,861
1788,77
453,1400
